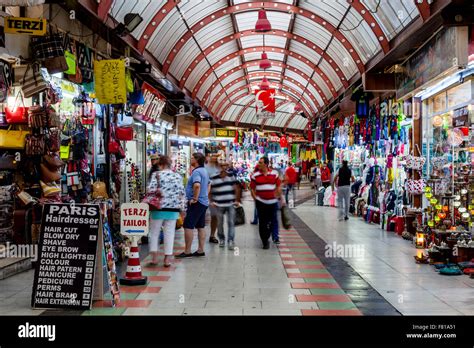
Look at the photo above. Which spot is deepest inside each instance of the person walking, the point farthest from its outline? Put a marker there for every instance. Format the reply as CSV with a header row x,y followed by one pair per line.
x,y
255,212
225,193
155,168
266,191
212,170
173,202
197,190
343,181
325,176
291,179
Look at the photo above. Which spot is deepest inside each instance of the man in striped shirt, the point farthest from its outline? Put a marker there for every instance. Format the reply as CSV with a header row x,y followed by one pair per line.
x,y
266,192
224,194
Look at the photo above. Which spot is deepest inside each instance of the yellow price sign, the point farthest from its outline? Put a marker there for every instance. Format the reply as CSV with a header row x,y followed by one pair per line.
x,y
109,79
24,25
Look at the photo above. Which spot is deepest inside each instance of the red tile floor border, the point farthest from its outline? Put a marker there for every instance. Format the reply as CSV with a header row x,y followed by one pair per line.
x,y
140,289
343,312
323,298
123,304
315,285
159,269
159,278
305,266
309,275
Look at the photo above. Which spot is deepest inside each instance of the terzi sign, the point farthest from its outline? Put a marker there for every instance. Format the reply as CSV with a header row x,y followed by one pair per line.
x,y
23,25
225,133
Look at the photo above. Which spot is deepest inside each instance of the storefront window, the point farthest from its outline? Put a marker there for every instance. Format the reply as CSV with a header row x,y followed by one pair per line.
x,y
460,94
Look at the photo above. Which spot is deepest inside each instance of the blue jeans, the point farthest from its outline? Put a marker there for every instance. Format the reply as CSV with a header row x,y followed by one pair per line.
x,y
288,188
255,216
230,211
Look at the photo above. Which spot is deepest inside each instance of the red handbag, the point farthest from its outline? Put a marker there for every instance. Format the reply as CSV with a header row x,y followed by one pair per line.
x,y
124,133
17,114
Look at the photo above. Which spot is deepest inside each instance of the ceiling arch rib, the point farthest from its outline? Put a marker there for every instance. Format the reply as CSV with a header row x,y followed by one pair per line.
x,y
273,6
423,8
232,97
369,19
155,22
281,33
303,75
303,60
243,78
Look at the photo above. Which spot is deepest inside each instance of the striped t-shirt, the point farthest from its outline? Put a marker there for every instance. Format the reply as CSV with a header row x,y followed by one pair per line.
x,y
265,186
222,190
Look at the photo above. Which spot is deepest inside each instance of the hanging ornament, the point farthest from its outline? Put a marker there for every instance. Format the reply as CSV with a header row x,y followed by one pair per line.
x,y
433,201
264,85
264,62
263,24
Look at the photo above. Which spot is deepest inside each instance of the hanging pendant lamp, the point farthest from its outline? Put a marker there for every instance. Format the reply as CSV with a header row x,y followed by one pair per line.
x,y
264,85
297,108
264,62
263,24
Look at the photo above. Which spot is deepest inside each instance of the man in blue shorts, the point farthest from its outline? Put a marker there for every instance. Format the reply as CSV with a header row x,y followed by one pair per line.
x,y
197,193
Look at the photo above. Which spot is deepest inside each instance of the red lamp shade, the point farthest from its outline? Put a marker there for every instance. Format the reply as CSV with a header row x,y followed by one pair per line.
x,y
265,85
264,62
297,108
263,24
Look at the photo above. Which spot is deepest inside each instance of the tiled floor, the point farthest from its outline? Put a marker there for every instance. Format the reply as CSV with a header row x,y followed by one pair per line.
x,y
388,266
290,279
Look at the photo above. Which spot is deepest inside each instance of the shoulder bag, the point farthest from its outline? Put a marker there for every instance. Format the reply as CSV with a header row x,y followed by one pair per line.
x,y
13,139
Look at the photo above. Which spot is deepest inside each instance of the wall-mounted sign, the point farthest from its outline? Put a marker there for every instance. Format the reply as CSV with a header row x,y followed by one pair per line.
x,y
110,81
23,25
225,133
154,104
447,50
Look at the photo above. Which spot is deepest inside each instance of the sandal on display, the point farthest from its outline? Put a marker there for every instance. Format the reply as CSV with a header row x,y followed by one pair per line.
x,y
422,259
454,270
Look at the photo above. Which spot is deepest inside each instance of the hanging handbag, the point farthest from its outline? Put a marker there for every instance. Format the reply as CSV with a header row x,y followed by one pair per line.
x,y
124,133
125,119
154,196
7,162
13,139
53,140
50,189
26,198
33,81
64,152
285,217
54,120
128,81
17,114
415,162
47,46
48,175
53,161
71,59
99,190
5,80
87,114
416,187
35,145
6,193
56,65
37,117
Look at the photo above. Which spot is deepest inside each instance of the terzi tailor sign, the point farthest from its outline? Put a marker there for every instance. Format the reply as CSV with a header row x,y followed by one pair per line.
x,y
64,274
23,25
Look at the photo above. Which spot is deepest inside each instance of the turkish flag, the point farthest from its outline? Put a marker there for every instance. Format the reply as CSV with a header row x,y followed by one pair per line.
x,y
265,100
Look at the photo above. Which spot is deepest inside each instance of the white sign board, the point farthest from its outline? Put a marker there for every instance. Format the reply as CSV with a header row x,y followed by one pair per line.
x,y
134,219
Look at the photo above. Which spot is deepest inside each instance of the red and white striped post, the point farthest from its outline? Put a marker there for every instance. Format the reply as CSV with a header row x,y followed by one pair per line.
x,y
134,270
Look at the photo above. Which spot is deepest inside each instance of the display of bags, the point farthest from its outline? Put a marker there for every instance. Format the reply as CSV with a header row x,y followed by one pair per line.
x,y
124,133
35,145
33,81
37,117
239,216
13,139
56,65
125,119
18,114
53,161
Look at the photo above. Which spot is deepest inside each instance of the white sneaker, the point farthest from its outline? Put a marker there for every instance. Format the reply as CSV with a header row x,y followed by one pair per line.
x,y
231,245
340,219
222,243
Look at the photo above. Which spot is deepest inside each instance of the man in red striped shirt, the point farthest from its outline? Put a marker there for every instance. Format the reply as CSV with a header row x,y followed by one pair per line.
x,y
266,192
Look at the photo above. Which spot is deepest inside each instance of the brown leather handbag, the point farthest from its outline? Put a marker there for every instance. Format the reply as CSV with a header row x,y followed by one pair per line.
x,y
53,162
48,175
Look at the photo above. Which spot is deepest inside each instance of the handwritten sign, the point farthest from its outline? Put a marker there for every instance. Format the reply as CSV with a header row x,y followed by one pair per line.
x,y
110,81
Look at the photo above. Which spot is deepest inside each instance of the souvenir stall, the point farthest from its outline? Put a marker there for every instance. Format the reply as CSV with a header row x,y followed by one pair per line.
x,y
180,153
